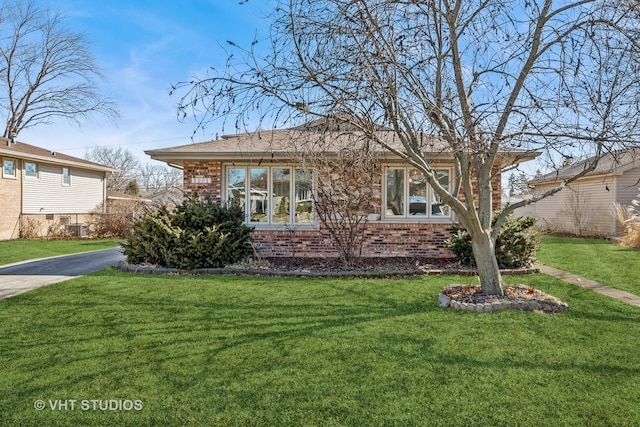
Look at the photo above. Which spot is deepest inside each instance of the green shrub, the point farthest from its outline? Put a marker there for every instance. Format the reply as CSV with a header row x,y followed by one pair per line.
x,y
199,233
516,244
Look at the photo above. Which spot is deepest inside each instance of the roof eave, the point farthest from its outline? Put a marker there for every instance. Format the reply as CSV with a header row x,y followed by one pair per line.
x,y
64,162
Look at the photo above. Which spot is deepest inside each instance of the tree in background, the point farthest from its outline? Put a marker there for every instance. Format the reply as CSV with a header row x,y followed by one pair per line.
x,y
120,159
46,71
133,177
160,181
517,184
561,78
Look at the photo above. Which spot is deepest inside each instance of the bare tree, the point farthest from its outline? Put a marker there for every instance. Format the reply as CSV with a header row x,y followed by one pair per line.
x,y
118,158
485,76
157,180
46,71
576,210
346,192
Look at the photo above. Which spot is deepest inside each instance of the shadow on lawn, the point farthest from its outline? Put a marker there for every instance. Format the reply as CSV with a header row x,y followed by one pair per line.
x,y
99,339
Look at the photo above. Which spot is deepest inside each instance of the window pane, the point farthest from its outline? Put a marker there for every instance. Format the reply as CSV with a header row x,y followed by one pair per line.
x,y
303,187
281,202
258,195
437,207
417,193
395,192
9,168
30,169
66,178
236,190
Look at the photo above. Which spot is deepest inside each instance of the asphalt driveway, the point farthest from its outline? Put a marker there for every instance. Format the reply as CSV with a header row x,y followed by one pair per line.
x,y
24,276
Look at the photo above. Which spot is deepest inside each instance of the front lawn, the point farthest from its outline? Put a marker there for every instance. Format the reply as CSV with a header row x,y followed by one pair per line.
x,y
596,259
22,250
239,351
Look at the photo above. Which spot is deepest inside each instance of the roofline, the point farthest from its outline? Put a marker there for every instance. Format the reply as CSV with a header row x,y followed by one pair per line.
x,y
591,176
28,156
176,159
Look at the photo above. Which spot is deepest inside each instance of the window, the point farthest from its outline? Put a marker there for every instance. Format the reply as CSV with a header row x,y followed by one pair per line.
x,y
409,196
66,176
8,168
272,195
31,169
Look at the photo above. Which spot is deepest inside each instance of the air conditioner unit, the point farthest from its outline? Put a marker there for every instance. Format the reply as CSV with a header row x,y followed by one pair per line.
x,y
77,230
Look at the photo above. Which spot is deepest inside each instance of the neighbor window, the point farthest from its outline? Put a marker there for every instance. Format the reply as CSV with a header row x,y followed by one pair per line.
x,y
271,195
31,169
66,176
409,196
8,168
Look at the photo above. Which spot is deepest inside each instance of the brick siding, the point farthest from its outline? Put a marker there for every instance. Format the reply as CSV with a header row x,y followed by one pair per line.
x,y
381,239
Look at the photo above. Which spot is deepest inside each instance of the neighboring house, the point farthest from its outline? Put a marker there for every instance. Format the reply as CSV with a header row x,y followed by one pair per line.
x,y
42,190
586,206
119,202
267,173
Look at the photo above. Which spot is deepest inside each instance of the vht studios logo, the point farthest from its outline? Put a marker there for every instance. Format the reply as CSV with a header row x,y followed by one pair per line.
x,y
88,405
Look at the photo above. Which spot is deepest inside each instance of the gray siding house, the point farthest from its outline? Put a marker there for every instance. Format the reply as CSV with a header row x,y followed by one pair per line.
x,y
586,206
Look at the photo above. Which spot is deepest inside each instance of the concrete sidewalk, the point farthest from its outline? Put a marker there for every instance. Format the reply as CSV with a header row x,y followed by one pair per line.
x,y
590,284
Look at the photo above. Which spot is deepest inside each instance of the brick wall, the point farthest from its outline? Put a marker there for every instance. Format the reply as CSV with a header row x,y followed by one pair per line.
x,y
203,178
10,202
380,240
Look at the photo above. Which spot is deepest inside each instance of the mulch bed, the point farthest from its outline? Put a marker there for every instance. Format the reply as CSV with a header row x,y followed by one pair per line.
x,y
373,265
524,297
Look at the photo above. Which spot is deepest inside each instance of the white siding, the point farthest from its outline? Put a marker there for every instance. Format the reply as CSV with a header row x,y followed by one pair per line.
x,y
47,195
597,214
628,186
627,189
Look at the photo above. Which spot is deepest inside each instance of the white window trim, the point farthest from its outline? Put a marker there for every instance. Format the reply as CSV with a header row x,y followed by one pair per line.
x,y
37,170
15,168
269,225
420,219
66,184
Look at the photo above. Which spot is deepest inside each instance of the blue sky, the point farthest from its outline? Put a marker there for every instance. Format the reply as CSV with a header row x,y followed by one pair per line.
x,y
142,47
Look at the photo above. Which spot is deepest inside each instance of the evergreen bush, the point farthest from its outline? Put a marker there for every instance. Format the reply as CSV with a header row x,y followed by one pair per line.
x,y
516,244
199,233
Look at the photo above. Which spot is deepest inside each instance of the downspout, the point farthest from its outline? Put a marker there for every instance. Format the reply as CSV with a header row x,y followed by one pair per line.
x,y
104,193
616,231
20,219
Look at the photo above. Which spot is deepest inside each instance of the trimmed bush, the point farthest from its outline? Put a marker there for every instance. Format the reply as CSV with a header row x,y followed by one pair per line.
x,y
199,233
516,244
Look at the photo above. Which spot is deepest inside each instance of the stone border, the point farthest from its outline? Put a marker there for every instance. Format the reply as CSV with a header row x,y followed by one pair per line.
x,y
543,303
133,268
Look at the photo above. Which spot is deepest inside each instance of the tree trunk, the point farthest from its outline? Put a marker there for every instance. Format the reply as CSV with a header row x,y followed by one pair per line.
x,y
487,264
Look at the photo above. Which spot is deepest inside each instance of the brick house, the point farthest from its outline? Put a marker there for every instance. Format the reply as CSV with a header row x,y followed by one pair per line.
x,y
41,190
271,177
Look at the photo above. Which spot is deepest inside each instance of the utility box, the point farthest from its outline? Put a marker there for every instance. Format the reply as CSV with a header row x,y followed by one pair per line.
x,y
77,230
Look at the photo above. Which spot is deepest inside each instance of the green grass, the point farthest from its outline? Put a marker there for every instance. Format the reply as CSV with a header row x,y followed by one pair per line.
x,y
610,264
234,351
21,250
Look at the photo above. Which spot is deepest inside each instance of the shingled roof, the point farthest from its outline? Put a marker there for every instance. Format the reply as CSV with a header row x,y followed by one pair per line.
x,y
287,144
614,163
31,152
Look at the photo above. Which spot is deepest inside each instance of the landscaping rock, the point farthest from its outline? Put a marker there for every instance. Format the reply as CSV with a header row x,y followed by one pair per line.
x,y
470,298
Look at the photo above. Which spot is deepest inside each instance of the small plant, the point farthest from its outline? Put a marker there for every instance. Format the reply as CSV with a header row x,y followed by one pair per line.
x,y
629,220
30,228
515,246
58,231
198,234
